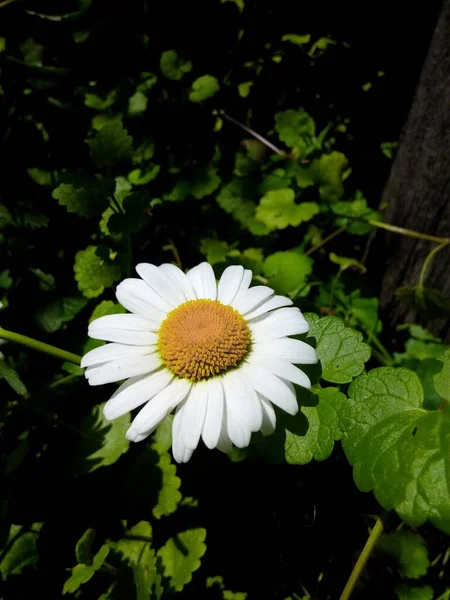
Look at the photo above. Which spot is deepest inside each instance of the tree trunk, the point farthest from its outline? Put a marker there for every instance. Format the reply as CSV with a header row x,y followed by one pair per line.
x,y
417,193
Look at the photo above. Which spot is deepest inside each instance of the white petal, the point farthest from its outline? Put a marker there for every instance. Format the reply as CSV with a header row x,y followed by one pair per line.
x,y
204,281
267,305
214,413
180,453
243,288
294,351
281,368
159,407
194,414
269,417
123,368
229,283
137,297
271,387
180,279
122,334
161,283
135,392
238,410
224,444
108,352
282,322
252,298
122,321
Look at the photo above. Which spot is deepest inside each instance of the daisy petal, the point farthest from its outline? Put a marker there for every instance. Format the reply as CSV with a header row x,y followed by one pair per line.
x,y
122,368
180,279
224,444
238,410
137,297
243,288
282,322
268,305
269,422
194,415
135,392
281,368
125,329
252,298
161,283
113,351
159,407
180,453
294,351
204,281
214,413
230,283
271,387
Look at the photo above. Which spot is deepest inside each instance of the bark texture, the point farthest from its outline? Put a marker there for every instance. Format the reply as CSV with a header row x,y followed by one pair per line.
x,y
417,193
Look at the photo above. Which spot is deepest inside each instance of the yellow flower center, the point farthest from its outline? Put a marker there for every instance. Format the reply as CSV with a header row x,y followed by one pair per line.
x,y
203,338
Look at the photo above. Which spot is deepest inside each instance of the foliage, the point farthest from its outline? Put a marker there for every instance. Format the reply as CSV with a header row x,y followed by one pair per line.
x,y
162,133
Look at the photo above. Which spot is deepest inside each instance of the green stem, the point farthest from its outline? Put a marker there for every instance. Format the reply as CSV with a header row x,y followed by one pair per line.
x,y
63,380
18,338
408,232
325,241
362,559
427,262
381,358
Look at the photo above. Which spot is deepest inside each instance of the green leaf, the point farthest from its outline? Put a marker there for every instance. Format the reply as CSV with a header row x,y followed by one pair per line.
x,y
181,555
287,271
100,103
5,280
172,66
111,145
138,553
135,206
235,199
137,104
296,129
104,441
83,573
203,88
53,315
325,173
83,547
277,210
442,379
106,307
214,250
93,274
46,280
163,433
298,40
142,177
340,349
5,217
84,195
244,88
206,182
22,551
345,263
33,219
11,377
407,550
407,592
40,176
398,449
323,429
169,495
354,215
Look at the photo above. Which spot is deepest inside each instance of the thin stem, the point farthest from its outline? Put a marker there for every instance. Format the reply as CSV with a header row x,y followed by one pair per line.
x,y
427,262
325,241
176,254
54,418
255,135
63,380
380,357
18,338
408,232
6,2
362,559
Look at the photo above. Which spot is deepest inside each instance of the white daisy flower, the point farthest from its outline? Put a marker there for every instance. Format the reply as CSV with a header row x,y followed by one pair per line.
x,y
218,353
